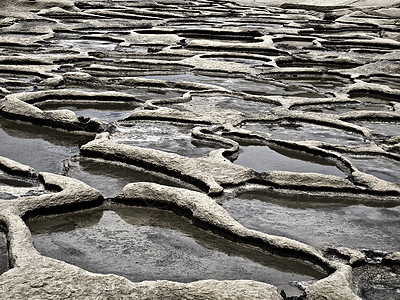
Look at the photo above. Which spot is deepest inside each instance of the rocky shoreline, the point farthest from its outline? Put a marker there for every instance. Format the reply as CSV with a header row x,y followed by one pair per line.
x,y
183,106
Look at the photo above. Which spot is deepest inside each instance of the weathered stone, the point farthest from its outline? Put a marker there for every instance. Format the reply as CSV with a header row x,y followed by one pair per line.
x,y
328,64
39,277
206,210
14,167
18,106
392,258
336,286
192,170
74,193
354,256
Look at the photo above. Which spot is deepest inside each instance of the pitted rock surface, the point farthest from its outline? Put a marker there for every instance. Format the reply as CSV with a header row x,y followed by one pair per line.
x,y
187,105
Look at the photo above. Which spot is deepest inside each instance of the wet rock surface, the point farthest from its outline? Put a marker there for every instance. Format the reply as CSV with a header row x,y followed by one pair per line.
x,y
111,179
37,147
12,187
151,244
271,125
174,138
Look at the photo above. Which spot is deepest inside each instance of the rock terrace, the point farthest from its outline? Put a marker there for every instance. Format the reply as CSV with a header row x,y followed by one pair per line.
x,y
269,127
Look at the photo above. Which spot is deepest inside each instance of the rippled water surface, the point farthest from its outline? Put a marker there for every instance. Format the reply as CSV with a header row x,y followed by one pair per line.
x,y
106,112
110,178
39,147
319,222
12,187
304,132
263,158
380,167
152,244
201,103
169,137
295,75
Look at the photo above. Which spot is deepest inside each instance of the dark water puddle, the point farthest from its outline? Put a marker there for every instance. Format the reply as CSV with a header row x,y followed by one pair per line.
x,y
215,38
19,78
288,43
321,84
374,96
376,281
238,104
110,179
383,128
193,23
42,148
133,49
351,45
303,132
10,180
175,138
380,167
17,83
372,103
4,266
150,93
20,49
245,61
222,102
108,112
141,94
318,221
239,84
18,36
254,23
12,187
263,158
134,69
76,41
143,243
220,36
335,33
338,108
304,63
392,82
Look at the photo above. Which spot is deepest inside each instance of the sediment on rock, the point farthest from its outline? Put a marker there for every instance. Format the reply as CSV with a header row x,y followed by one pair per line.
x,y
205,211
